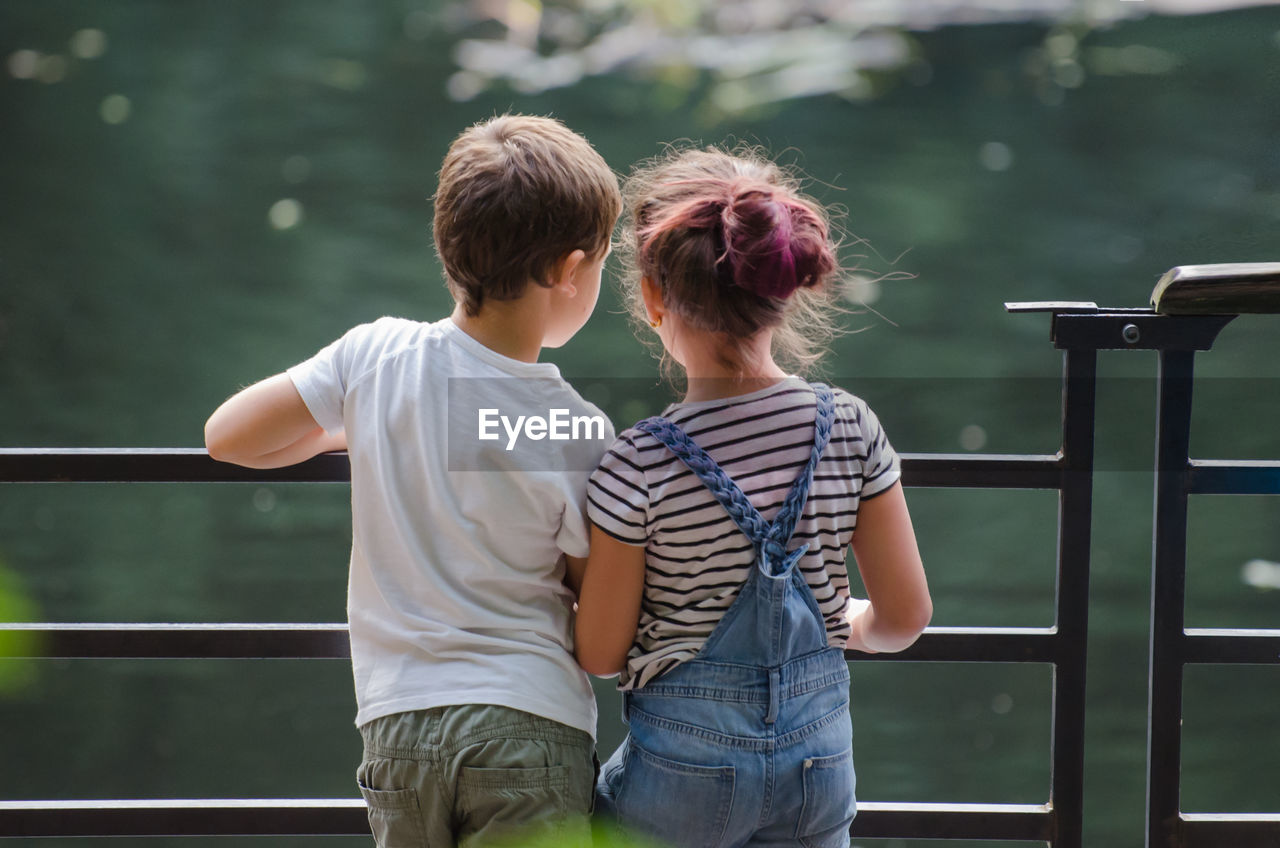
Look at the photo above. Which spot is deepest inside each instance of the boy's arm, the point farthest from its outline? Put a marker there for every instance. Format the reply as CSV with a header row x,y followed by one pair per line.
x,y
267,426
609,604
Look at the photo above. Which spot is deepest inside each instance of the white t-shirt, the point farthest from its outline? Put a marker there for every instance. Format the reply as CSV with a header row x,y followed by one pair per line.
x,y
696,557
455,593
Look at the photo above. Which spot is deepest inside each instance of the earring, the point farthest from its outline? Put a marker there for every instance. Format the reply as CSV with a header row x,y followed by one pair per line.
x,y
656,324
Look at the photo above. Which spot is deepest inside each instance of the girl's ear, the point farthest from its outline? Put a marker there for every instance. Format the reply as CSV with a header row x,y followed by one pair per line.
x,y
563,273
652,296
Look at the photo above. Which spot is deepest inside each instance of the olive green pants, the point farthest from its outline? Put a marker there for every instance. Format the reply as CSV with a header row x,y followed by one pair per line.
x,y
476,775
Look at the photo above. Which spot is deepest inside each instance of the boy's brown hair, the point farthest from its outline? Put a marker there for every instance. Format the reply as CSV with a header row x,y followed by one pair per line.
x,y
516,195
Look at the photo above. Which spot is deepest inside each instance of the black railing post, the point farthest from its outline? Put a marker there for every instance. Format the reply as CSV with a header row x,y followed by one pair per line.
x,y
1168,595
1075,514
1079,328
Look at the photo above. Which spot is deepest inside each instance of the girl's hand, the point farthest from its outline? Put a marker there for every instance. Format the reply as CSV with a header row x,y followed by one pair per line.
x,y
854,613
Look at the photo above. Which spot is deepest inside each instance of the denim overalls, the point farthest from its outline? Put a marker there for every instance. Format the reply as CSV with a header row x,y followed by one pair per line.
x,y
749,742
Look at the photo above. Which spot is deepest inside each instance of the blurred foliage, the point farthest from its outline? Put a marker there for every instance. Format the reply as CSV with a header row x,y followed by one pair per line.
x,y
16,607
734,57
603,835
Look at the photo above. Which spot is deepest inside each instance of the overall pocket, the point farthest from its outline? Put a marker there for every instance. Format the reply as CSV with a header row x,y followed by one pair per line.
x,y
829,804
680,804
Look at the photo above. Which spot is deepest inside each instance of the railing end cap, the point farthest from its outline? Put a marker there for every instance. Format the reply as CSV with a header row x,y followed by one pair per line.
x,y
1075,307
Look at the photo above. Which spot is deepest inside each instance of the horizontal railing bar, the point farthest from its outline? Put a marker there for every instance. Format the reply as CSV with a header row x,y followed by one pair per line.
x,y
180,641
975,644
330,641
1229,830
156,465
1030,822
1206,645
193,465
982,471
166,817
1234,477
347,816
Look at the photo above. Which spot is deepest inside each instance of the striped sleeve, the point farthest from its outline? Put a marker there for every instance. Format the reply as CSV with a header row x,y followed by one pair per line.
x,y
618,494
882,467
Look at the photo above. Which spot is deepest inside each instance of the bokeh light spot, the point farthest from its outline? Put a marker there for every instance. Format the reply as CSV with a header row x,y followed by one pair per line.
x,y
285,214
465,85
115,109
973,437
22,64
995,156
347,74
51,69
861,290
88,43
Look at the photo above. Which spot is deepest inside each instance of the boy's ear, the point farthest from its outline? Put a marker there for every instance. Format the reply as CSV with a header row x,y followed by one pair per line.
x,y
563,273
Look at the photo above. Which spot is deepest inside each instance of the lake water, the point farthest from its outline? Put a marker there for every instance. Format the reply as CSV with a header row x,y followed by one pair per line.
x,y
205,194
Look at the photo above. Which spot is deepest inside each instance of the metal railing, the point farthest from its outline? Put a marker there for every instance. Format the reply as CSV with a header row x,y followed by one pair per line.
x,y
1173,645
1079,330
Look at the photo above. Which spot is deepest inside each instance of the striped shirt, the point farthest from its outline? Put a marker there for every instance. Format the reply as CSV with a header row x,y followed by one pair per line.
x,y
696,558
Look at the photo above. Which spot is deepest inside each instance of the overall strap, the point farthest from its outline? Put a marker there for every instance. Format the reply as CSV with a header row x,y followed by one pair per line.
x,y
769,539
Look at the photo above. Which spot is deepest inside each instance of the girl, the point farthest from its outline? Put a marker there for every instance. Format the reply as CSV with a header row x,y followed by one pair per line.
x,y
716,583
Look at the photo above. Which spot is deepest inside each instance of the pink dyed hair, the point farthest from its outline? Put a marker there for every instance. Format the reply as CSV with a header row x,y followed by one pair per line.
x,y
734,247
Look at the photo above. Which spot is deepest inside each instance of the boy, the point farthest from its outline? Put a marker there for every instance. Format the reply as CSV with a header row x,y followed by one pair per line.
x,y
475,718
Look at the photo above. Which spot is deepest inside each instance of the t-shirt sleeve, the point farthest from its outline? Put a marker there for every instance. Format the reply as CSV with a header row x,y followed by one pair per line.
x,y
882,467
574,535
322,383
322,380
618,494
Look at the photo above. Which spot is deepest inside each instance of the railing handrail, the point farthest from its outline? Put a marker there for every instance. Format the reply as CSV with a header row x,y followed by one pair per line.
x,y
193,465
273,640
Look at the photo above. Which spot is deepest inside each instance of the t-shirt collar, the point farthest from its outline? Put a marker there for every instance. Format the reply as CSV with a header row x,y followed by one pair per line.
x,y
514,367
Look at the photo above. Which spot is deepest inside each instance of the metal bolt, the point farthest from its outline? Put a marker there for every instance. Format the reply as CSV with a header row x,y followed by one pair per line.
x,y
1130,333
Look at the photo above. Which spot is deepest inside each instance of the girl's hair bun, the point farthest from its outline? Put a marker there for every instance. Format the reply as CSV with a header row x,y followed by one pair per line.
x,y
773,242
733,247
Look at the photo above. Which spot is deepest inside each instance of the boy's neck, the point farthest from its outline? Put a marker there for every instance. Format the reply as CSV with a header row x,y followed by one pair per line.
x,y
504,327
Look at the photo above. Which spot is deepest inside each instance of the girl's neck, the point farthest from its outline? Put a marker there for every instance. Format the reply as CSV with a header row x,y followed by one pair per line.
x,y
711,378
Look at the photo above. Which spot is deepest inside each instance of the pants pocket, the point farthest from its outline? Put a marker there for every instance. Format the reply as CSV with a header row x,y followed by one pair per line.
x,y
680,804
829,804
500,805
395,816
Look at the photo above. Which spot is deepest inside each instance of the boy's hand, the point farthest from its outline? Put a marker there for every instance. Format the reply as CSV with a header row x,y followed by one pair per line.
x,y
574,568
267,426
